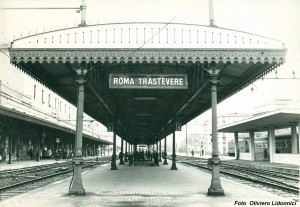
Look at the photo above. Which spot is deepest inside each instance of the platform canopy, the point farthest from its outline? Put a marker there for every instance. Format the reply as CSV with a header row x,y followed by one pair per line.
x,y
168,64
279,119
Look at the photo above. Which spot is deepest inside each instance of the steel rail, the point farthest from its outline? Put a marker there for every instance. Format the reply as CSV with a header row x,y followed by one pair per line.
x,y
47,176
274,183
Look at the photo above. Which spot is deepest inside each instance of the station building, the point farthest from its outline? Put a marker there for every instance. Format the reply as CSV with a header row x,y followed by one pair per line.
x,y
35,118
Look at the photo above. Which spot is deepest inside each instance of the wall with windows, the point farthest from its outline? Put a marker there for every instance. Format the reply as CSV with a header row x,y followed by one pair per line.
x,y
20,92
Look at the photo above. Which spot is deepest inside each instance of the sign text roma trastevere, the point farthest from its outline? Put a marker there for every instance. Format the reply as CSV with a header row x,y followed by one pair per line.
x,y
148,81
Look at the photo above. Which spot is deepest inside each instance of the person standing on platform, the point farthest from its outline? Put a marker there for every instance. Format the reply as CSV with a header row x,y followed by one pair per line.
x,y
155,158
238,154
202,152
40,154
266,156
192,152
130,158
121,155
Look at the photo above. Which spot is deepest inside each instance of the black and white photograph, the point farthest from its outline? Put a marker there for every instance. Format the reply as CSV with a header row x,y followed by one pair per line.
x,y
149,103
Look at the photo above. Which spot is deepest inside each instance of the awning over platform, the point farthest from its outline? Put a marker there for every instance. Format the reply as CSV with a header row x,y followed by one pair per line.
x,y
143,116
279,119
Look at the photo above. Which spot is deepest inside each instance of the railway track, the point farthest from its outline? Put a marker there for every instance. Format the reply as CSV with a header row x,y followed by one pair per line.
x,y
18,181
288,183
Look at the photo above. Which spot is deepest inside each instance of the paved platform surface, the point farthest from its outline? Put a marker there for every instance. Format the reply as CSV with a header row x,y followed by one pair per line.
x,y
143,186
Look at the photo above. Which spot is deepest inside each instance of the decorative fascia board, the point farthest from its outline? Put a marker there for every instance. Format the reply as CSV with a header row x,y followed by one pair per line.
x,y
148,55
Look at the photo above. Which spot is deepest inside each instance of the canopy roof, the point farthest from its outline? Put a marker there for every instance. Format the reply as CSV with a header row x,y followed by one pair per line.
x,y
283,113
142,116
279,119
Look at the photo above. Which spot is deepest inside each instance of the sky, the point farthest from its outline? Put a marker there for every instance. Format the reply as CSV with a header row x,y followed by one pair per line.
x,y
278,19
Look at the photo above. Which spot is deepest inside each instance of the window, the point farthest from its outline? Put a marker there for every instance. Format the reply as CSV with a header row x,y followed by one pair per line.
x,y
34,92
43,96
49,100
55,102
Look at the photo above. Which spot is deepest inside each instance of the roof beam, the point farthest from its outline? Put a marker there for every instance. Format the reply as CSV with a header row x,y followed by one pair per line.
x,y
105,105
186,104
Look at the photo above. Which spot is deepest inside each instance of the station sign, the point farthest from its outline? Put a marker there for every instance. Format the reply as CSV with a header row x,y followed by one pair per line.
x,y
148,81
178,126
110,127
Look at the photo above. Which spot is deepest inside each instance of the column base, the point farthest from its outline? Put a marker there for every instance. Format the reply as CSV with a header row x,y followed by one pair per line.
x,y
9,159
126,159
113,166
76,187
212,191
173,167
113,162
215,188
173,162
79,191
165,162
121,162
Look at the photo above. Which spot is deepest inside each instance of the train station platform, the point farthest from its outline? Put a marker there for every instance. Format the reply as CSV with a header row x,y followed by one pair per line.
x,y
32,163
143,185
26,163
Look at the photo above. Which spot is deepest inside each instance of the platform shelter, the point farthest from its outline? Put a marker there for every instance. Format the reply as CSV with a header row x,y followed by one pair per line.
x,y
270,119
144,80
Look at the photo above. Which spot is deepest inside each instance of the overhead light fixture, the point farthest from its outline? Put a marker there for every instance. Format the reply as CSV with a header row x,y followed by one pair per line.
x,y
144,98
143,114
144,123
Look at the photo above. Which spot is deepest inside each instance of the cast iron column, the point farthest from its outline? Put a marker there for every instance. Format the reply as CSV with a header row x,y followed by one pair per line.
x,y
114,155
76,183
121,158
252,145
10,148
174,153
165,160
126,160
159,152
236,143
215,187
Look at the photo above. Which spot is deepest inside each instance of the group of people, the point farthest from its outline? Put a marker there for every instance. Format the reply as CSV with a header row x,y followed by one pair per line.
x,y
49,154
201,152
141,155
